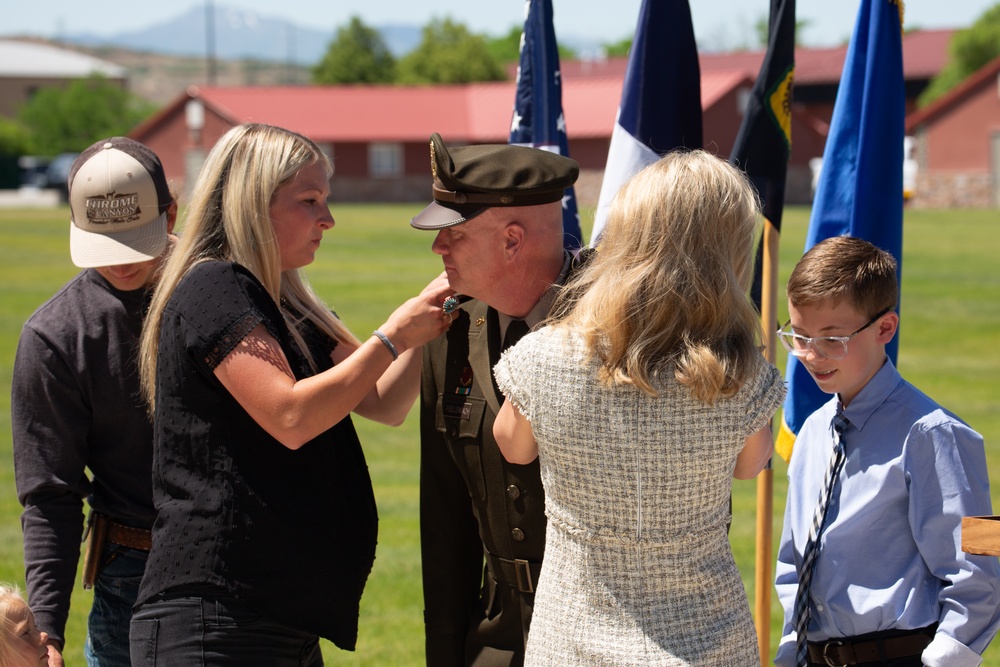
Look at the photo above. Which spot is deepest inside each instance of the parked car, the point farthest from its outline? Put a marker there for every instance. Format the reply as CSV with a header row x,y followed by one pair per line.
x,y
57,174
33,171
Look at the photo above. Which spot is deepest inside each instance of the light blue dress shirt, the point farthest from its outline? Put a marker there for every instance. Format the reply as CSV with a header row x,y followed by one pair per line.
x,y
891,556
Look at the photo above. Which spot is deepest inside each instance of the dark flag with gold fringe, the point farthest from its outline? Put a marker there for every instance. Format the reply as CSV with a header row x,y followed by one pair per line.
x,y
764,142
762,149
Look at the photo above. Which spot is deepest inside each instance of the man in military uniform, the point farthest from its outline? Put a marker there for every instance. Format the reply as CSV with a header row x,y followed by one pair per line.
x,y
498,216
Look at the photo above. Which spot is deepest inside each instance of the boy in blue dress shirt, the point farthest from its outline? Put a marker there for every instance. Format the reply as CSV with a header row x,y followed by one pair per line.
x,y
887,582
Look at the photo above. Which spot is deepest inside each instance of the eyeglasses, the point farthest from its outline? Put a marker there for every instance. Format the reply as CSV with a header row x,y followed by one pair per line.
x,y
830,347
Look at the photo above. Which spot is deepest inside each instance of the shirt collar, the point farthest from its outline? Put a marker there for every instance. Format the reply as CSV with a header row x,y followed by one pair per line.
x,y
873,394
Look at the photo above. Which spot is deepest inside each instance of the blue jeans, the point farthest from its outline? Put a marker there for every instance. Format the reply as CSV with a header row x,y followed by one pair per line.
x,y
115,591
216,631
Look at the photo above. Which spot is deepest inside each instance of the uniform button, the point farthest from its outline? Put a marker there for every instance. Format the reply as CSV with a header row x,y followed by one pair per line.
x,y
513,492
517,534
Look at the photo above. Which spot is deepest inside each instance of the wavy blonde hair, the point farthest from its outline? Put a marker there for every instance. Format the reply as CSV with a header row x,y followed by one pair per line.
x,y
229,219
667,289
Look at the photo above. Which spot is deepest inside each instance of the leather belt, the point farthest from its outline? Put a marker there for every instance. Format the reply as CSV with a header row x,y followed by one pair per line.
x,y
128,536
848,651
518,573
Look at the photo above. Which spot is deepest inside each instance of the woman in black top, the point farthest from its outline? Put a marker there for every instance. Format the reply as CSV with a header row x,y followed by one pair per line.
x,y
266,523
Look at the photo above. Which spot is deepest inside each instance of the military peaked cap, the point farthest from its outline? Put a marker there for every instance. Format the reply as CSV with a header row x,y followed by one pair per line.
x,y
470,179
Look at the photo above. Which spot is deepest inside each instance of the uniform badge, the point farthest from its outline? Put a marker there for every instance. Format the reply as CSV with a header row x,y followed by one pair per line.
x,y
464,387
456,408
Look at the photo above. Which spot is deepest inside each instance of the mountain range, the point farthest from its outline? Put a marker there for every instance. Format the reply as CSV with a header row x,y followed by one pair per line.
x,y
239,34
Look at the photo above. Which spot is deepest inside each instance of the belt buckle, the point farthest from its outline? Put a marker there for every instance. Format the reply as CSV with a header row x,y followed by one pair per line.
x,y
522,571
826,658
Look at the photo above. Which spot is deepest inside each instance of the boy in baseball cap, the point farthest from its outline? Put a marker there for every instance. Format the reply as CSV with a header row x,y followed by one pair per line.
x,y
120,203
75,405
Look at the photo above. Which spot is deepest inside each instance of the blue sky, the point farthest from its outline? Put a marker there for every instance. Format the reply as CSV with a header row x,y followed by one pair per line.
x,y
716,21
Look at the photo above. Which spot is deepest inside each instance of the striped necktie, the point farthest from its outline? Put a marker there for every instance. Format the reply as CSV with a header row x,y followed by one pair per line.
x,y
811,551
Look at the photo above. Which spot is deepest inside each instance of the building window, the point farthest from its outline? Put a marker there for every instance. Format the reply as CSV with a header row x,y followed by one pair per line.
x,y
385,160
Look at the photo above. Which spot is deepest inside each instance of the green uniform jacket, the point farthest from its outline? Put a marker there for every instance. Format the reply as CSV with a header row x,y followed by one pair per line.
x,y
472,503
482,519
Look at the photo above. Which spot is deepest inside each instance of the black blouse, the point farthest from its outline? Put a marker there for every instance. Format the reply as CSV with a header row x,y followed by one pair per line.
x,y
291,532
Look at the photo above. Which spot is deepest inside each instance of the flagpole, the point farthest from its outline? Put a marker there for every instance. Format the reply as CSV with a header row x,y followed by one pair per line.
x,y
765,480
762,149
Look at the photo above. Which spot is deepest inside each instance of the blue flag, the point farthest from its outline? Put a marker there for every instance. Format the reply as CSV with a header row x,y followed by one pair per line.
x,y
538,114
860,191
660,109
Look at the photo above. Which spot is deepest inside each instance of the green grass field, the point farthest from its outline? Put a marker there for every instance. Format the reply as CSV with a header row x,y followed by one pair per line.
x,y
372,260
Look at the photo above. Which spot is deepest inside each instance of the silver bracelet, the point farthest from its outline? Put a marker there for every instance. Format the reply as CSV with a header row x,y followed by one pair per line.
x,y
388,344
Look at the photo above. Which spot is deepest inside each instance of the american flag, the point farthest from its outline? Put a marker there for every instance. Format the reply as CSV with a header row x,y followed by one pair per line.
x,y
538,119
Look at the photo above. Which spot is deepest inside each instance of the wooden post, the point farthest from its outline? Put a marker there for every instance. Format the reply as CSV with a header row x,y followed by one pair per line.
x,y
765,480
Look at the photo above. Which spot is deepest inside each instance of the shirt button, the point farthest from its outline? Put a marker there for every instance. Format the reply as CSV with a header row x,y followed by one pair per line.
x,y
513,492
517,534
819,607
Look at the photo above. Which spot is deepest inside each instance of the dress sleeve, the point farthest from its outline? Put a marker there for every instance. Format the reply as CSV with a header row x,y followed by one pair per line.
x,y
765,392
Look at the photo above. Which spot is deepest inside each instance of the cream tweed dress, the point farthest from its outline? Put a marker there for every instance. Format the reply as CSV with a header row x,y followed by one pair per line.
x,y
638,568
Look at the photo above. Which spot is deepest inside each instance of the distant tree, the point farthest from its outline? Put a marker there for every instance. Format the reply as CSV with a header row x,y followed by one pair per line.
x,y
70,119
358,54
449,53
969,50
15,140
618,49
507,49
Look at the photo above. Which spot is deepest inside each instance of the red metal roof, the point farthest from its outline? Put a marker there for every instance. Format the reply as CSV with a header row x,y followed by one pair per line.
x,y
954,97
478,112
481,112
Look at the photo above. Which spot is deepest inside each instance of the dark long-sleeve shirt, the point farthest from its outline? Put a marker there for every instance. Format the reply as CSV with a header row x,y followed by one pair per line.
x,y
76,406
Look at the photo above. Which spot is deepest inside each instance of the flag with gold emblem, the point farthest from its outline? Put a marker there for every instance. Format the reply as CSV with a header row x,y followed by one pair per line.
x,y
764,142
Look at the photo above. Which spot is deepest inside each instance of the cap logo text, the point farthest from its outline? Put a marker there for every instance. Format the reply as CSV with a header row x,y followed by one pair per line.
x,y
113,209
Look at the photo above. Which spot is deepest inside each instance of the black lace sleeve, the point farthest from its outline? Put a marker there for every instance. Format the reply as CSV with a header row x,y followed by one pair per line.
x,y
218,304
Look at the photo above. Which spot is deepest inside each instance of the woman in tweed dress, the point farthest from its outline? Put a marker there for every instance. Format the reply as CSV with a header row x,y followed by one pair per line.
x,y
644,397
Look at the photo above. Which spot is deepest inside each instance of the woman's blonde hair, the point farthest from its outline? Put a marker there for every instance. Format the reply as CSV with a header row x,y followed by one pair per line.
x,y
667,289
229,219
